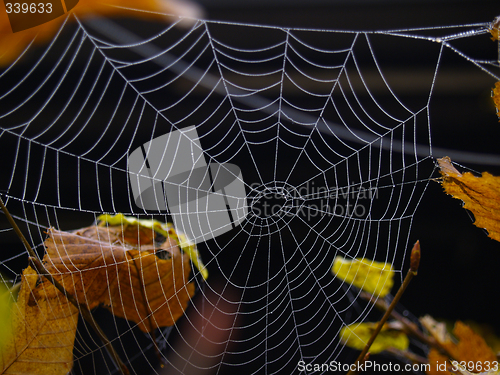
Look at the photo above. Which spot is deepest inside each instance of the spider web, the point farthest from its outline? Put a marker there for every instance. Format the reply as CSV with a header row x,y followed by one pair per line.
x,y
333,160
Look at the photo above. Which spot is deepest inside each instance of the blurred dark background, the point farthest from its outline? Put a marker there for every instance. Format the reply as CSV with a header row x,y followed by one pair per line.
x,y
459,270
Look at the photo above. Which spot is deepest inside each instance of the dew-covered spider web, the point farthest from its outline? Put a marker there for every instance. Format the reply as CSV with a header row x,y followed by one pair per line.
x,y
304,139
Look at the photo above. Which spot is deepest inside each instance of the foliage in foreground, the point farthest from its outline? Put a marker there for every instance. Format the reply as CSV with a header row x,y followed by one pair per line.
x,y
460,352
125,266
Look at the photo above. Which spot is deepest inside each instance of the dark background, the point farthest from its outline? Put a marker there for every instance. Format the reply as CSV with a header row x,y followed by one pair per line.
x,y
458,277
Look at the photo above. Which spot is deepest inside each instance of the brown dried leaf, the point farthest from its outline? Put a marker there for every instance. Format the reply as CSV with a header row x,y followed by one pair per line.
x,y
141,287
132,231
43,333
153,292
83,265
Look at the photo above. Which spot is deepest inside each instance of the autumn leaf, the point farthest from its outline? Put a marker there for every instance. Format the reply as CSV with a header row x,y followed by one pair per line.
x,y
436,329
131,229
82,265
494,29
496,97
471,346
463,371
97,268
153,292
357,335
487,332
44,332
13,43
373,277
480,195
5,309
466,346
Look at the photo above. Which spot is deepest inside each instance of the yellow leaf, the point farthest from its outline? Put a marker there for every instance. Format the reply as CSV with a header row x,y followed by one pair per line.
x,y
5,308
357,335
44,332
481,195
131,224
190,249
373,277
13,43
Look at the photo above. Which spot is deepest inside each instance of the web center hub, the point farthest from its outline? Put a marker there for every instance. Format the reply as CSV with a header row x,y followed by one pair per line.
x,y
275,201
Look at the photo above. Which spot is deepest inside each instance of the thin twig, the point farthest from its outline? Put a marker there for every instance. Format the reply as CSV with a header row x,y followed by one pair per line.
x,y
14,226
414,263
409,326
84,310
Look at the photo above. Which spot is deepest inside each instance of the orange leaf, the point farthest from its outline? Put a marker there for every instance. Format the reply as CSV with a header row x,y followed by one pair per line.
x,y
13,43
472,348
469,348
496,97
437,362
97,268
494,29
481,195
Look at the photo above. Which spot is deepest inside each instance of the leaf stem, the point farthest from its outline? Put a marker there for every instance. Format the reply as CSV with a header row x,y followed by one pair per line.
x,y
414,263
409,326
42,271
14,226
